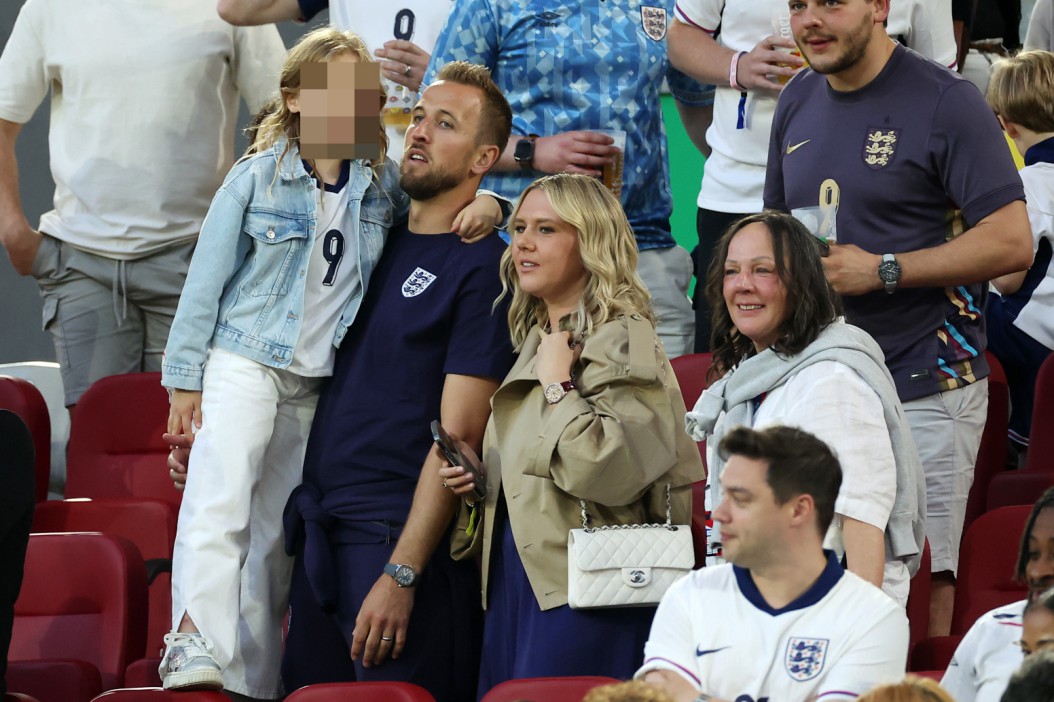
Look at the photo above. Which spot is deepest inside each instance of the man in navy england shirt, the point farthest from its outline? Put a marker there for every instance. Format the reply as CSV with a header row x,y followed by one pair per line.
x,y
375,595
373,572
902,163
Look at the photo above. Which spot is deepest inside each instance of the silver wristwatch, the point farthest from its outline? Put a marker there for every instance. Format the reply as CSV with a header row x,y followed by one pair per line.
x,y
404,575
889,272
554,392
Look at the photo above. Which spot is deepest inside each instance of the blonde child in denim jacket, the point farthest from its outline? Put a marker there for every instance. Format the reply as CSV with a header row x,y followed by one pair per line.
x,y
283,260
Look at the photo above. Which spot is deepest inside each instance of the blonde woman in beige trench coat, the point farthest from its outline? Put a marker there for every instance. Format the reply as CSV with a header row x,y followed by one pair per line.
x,y
591,410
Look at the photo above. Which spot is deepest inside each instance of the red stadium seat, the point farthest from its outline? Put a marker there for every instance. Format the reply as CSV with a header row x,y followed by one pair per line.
x,y
156,694
143,673
115,447
1018,487
55,680
987,559
691,371
83,598
18,697
934,675
361,692
22,397
991,456
933,654
148,523
1041,438
569,689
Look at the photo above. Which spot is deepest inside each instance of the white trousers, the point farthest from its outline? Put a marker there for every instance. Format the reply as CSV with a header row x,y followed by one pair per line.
x,y
229,571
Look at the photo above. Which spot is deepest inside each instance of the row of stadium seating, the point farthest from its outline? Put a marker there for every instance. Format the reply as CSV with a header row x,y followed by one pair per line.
x,y
95,606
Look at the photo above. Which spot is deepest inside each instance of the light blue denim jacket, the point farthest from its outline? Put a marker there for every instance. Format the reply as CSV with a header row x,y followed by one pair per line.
x,y
245,289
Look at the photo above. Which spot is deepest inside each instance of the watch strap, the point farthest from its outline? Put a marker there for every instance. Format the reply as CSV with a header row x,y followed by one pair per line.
x,y
527,163
550,391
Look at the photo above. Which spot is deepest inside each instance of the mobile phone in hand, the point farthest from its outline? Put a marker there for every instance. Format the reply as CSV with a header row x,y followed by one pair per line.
x,y
456,458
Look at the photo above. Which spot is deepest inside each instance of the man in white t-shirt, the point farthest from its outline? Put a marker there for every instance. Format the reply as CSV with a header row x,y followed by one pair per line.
x,y
144,101
990,652
782,620
402,35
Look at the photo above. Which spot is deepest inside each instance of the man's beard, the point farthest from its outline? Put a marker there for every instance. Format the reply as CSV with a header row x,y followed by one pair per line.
x,y
427,186
854,47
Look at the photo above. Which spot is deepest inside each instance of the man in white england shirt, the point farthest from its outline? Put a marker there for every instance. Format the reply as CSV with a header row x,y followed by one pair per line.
x,y
781,620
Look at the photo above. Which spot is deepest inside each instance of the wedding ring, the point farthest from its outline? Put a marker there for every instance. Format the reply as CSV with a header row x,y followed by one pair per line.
x,y
444,483
406,71
386,638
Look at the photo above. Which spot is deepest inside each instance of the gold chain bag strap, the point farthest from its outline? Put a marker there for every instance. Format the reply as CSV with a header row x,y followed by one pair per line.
x,y
629,565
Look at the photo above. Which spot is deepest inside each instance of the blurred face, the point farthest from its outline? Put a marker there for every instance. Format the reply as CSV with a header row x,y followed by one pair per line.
x,y
339,107
440,145
546,256
833,35
751,521
1037,632
1039,569
754,294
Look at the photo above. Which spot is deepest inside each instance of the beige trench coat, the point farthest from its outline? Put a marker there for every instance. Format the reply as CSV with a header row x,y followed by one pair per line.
x,y
615,442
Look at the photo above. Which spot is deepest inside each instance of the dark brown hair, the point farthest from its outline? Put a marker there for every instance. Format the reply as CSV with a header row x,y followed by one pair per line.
x,y
812,304
798,464
1046,500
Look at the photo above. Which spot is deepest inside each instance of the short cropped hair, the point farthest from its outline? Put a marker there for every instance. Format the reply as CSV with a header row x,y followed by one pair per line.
x,y
798,464
1033,681
495,120
1021,90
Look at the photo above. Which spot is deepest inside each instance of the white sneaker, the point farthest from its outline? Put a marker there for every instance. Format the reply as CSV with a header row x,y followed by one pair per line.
x,y
188,664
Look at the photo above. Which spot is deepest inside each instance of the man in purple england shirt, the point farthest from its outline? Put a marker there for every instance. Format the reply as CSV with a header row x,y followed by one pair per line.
x,y
900,161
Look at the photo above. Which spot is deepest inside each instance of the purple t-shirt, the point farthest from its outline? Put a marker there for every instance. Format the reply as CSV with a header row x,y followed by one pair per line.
x,y
907,162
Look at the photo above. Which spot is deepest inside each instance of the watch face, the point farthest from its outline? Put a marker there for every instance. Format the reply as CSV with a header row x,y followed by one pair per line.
x,y
889,271
524,150
405,575
554,393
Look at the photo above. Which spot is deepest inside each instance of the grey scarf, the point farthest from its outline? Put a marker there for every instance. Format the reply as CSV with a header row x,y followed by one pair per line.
x,y
849,345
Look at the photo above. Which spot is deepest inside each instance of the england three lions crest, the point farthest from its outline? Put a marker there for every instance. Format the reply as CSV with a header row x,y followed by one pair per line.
x,y
805,657
880,147
418,281
653,19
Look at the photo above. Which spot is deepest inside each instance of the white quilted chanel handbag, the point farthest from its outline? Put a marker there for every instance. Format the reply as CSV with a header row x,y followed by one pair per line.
x,y
628,565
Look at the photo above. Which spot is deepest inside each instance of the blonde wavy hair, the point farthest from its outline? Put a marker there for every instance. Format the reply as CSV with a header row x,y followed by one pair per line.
x,y
911,689
275,121
609,255
631,691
